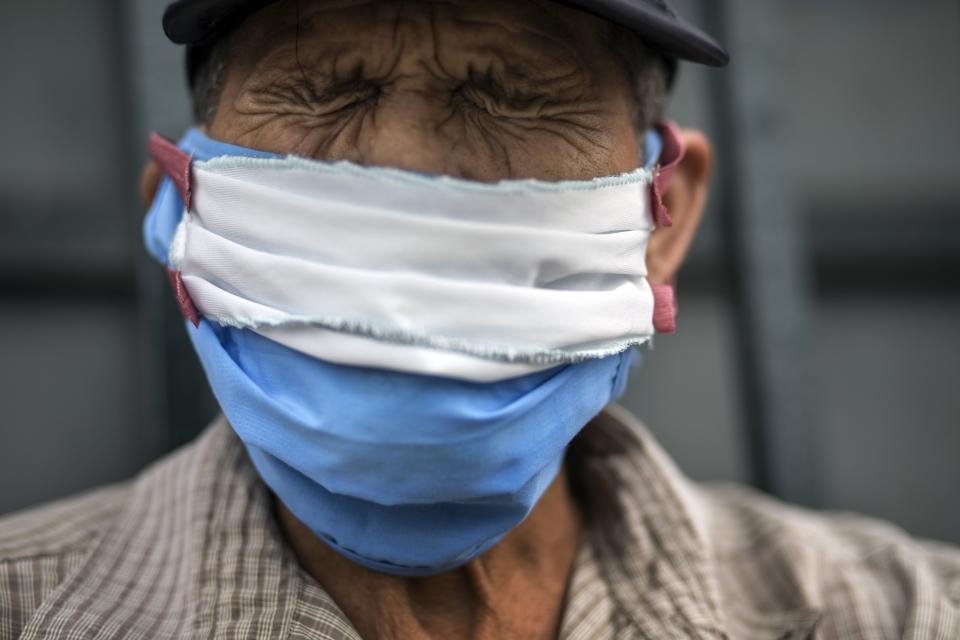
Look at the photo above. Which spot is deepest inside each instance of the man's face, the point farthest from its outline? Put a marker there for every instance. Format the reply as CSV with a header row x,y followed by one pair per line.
x,y
479,90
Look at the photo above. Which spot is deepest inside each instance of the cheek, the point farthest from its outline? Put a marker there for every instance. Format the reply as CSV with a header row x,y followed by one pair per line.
x,y
552,150
328,138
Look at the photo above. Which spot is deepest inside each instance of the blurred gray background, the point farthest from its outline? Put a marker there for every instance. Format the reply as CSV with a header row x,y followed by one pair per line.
x,y
818,355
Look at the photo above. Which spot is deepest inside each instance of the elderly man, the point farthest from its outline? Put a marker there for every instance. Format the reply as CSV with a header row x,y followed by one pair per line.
x,y
417,243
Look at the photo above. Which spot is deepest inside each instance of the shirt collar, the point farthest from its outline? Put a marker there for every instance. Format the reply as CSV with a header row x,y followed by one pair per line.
x,y
649,528
195,549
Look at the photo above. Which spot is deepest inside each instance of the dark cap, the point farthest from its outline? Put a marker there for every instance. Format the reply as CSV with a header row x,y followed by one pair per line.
x,y
199,22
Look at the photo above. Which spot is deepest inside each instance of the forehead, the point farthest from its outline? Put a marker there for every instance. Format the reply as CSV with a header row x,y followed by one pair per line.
x,y
524,26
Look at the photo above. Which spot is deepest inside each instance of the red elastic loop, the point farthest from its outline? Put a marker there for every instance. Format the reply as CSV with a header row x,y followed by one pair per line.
x,y
187,308
175,163
674,148
664,308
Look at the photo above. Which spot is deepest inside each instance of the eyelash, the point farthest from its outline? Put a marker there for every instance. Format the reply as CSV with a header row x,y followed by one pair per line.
x,y
354,94
487,86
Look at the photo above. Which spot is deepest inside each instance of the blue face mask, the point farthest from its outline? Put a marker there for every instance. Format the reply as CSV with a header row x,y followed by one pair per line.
x,y
402,473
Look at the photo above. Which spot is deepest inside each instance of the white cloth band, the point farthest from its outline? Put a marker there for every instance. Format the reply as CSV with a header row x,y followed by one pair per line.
x,y
438,276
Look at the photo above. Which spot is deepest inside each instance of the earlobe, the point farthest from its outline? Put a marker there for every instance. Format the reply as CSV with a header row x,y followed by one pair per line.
x,y
150,178
685,198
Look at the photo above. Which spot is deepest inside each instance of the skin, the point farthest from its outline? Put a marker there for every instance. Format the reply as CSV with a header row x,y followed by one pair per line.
x,y
483,91
479,90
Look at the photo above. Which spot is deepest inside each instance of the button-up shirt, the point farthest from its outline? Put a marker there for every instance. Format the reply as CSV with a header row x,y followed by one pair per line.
x,y
191,549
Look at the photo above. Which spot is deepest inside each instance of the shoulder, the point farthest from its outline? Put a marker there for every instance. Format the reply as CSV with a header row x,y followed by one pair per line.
x,y
768,566
863,573
40,547
59,527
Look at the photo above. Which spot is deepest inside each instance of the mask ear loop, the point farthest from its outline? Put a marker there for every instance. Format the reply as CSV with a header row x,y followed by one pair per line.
x,y
664,308
673,150
175,163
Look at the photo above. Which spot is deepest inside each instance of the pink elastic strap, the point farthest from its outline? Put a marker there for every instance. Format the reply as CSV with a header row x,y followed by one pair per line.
x,y
674,149
175,163
187,308
664,308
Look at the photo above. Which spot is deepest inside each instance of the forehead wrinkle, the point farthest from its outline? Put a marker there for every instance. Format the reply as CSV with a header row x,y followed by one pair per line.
x,y
281,24
321,45
522,58
515,55
528,32
534,12
528,37
537,21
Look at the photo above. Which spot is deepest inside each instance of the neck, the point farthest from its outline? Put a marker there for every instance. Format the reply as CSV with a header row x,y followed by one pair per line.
x,y
514,590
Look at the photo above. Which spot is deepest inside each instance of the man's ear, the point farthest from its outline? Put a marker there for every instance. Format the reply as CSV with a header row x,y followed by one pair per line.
x,y
150,179
685,198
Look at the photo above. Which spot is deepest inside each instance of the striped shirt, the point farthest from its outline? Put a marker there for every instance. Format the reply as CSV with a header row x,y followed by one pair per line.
x,y
190,549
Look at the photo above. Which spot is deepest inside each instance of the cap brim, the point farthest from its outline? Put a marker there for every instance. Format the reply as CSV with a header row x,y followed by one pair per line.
x,y
669,33
195,22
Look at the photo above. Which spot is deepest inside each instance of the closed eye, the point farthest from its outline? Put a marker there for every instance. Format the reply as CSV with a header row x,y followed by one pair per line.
x,y
323,97
484,91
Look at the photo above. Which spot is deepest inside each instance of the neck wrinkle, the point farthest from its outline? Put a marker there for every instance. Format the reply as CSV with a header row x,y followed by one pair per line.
x,y
516,589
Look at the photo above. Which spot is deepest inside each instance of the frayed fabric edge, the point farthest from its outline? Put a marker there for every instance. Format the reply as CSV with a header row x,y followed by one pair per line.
x,y
641,176
497,353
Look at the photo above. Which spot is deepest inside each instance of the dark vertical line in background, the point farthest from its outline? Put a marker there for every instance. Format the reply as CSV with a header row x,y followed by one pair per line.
x,y
764,254
177,402
126,179
728,166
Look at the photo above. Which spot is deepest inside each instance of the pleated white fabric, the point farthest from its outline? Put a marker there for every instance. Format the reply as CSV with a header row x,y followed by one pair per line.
x,y
430,275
